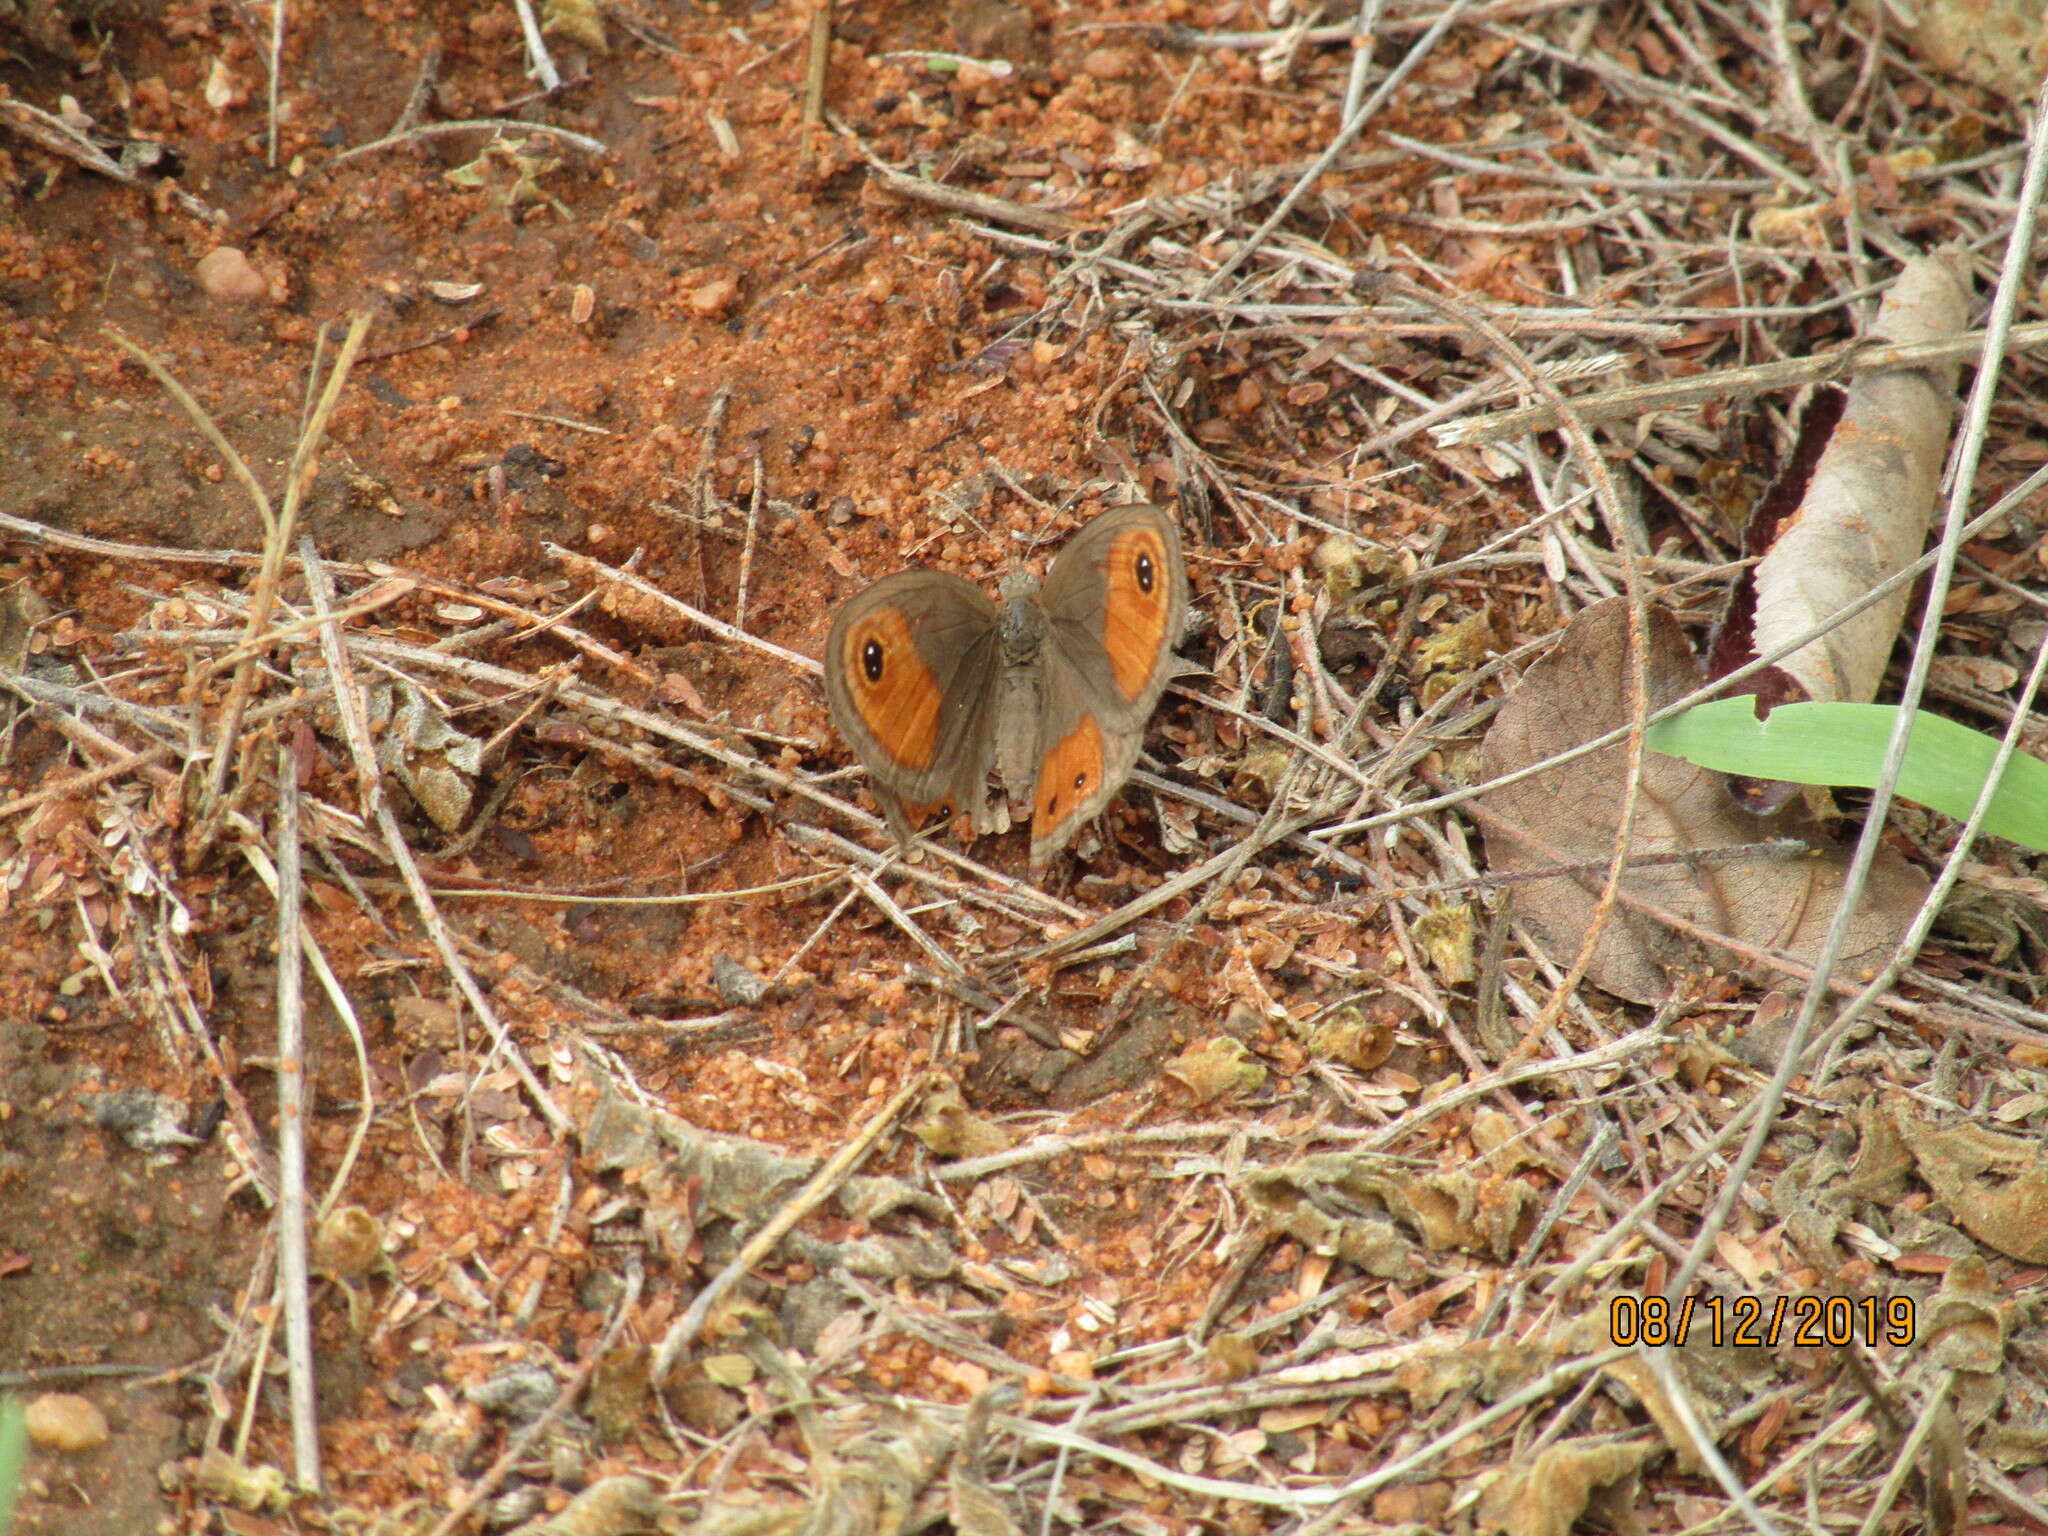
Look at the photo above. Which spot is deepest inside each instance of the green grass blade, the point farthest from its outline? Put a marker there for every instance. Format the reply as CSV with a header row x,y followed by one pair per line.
x,y
1946,763
13,1450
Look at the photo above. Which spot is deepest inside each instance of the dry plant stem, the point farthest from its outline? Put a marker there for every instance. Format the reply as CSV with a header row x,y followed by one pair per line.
x,y
1906,1459
1345,137
974,205
1962,482
820,1184
275,531
258,1358
515,1451
1594,467
1044,1148
1732,384
277,15
677,606
60,138
1680,1398
739,607
338,999
1330,1501
513,125
369,781
905,924
816,63
543,69
2007,503
293,1269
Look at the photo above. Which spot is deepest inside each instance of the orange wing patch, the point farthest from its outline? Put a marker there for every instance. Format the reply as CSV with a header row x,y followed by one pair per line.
x,y
1071,772
895,692
1134,620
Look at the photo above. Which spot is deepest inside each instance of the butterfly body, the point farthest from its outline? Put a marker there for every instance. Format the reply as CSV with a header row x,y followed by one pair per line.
x,y
934,684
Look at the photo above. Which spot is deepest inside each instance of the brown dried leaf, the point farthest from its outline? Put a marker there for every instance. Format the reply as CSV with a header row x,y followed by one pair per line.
x,y
1862,513
1569,814
1215,1067
612,1506
1996,1185
950,1130
1572,1478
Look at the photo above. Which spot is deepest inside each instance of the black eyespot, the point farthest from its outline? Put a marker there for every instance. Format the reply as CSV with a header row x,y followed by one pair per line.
x,y
871,660
1146,575
1080,781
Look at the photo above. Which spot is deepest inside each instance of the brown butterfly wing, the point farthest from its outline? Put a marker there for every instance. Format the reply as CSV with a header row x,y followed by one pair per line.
x,y
1115,601
910,668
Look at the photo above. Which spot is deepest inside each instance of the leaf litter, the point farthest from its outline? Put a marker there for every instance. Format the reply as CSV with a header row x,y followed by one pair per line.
x,y
1359,1256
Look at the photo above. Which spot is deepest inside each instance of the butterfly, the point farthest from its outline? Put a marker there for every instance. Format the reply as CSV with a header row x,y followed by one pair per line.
x,y
933,683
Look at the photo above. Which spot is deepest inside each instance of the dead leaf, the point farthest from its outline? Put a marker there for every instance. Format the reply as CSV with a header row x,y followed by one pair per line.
x,y
1996,1185
1445,935
1852,508
950,1130
1568,815
1215,1067
1572,1478
611,1506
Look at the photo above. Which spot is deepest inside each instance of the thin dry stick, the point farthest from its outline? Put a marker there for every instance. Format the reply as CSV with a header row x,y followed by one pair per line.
x,y
277,14
1702,1444
1962,482
815,66
1906,1460
544,69
974,205
293,1268
521,1443
60,138
739,608
820,1184
1733,384
378,809
1594,467
676,605
417,131
345,1009
1346,135
1936,899
276,526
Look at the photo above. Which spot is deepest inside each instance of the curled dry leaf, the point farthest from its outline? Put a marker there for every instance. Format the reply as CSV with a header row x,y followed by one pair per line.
x,y
1849,510
689,1177
1215,1067
611,1506
950,1129
1995,1185
1313,1199
1569,816
1547,1496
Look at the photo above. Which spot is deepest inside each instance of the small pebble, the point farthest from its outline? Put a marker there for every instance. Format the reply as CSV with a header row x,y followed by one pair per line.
x,y
64,1421
715,298
1106,63
737,986
227,274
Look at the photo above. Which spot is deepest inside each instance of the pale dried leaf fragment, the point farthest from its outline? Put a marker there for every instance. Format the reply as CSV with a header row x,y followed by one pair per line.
x,y
611,1506
1866,508
1547,1496
436,763
950,1129
1217,1066
1995,1185
1568,816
